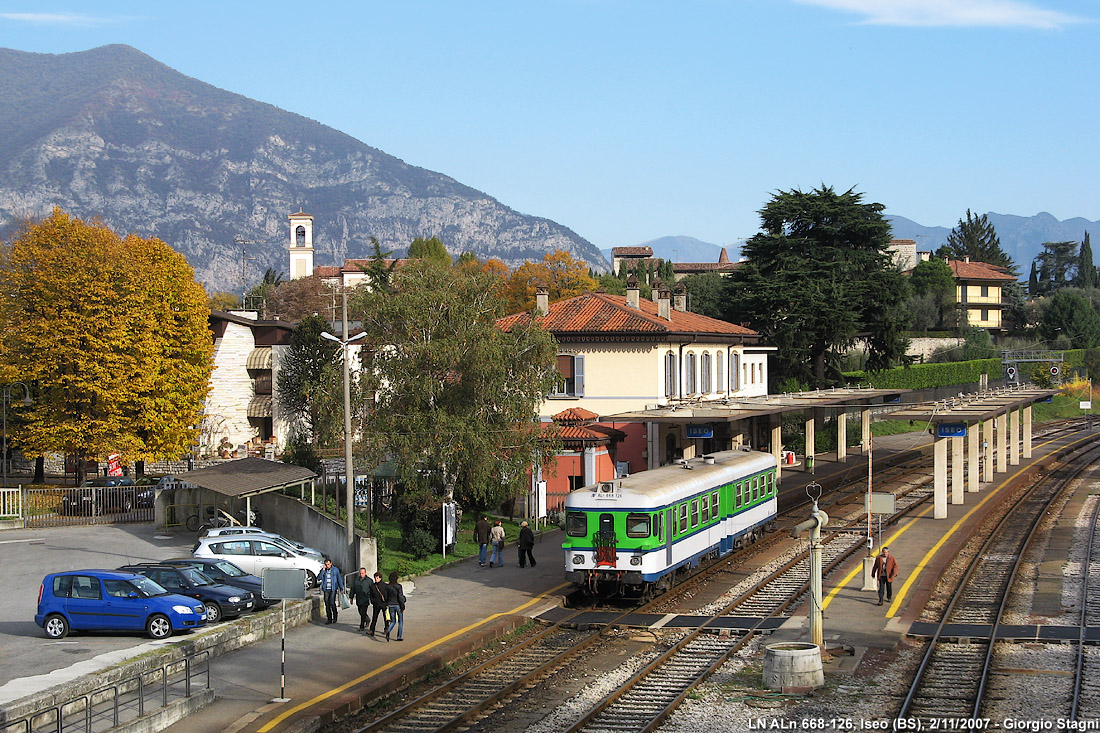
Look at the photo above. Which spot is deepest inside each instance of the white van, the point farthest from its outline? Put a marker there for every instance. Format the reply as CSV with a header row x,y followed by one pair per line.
x,y
252,554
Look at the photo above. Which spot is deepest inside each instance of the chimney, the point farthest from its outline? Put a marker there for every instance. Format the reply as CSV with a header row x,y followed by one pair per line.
x,y
966,259
542,300
680,301
664,302
632,291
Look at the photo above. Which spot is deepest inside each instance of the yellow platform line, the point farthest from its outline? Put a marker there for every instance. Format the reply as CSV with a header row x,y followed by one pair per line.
x,y
270,725
893,608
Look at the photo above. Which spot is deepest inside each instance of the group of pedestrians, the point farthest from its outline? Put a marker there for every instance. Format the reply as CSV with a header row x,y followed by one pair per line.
x,y
490,540
387,599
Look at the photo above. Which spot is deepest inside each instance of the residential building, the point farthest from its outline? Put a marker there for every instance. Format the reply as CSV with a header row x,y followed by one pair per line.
x,y
979,290
618,354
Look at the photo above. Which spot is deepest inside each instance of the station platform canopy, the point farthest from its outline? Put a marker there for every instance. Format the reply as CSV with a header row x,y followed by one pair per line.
x,y
976,407
746,408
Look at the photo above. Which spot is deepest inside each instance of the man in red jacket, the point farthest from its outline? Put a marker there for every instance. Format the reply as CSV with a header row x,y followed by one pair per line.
x,y
886,570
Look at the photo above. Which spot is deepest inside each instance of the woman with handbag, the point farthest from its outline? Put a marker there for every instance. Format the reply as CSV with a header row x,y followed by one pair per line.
x,y
496,536
396,608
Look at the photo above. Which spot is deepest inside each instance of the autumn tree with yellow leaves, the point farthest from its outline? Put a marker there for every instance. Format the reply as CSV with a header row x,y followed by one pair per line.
x,y
564,276
112,336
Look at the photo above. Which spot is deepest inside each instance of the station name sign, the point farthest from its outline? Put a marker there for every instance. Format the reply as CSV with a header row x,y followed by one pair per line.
x,y
951,430
700,431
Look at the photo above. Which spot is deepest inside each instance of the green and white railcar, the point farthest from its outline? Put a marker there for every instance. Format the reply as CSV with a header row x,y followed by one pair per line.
x,y
635,535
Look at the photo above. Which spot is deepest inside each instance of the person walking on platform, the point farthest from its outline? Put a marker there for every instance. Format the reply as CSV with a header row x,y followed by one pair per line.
x,y
380,599
496,537
331,582
481,537
359,591
886,570
526,544
396,608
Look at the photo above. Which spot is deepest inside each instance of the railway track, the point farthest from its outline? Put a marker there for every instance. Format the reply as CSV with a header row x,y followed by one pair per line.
x,y
952,679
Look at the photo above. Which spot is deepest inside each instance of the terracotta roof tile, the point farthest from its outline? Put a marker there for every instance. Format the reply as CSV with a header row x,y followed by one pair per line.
x,y
606,313
978,271
575,414
632,251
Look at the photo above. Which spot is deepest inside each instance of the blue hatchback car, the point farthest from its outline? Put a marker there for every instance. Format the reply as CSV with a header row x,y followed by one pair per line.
x,y
112,600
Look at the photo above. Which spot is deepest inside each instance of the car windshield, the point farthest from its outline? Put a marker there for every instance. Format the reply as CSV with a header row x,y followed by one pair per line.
x,y
229,569
196,577
147,587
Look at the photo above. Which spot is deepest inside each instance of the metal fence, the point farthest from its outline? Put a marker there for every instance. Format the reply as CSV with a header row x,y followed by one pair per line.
x,y
114,705
87,505
11,503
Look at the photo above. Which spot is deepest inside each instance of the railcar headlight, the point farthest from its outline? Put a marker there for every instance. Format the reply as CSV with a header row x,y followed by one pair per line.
x,y
578,559
636,560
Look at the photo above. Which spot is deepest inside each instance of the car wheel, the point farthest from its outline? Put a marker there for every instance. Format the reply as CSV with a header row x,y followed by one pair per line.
x,y
158,626
213,613
56,627
311,580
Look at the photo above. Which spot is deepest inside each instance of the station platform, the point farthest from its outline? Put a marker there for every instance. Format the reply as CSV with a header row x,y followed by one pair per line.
x,y
332,670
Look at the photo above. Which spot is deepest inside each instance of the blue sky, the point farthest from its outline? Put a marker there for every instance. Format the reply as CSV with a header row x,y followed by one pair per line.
x,y
628,120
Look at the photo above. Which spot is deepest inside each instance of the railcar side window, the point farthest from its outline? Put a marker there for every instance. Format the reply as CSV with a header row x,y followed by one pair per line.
x,y
756,488
704,510
714,505
771,484
576,524
660,519
683,518
637,525
737,491
694,512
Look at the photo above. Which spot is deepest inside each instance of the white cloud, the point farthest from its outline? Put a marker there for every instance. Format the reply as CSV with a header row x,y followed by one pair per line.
x,y
69,19
988,13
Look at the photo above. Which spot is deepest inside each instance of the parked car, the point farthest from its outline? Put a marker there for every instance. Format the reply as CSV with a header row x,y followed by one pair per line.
x,y
276,538
112,600
221,601
254,554
100,495
148,486
226,572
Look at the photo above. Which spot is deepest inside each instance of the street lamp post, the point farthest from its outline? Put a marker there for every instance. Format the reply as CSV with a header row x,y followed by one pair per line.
x,y
5,398
349,482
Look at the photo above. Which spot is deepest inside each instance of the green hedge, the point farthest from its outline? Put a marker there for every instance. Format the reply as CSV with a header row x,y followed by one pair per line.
x,y
928,376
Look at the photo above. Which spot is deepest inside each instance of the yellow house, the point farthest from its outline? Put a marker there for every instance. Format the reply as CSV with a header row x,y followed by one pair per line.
x,y
978,287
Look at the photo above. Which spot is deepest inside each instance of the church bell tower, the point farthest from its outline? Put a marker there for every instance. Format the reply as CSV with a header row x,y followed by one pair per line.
x,y
301,245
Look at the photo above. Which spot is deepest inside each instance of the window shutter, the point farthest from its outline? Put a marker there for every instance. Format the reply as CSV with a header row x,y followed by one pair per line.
x,y
578,375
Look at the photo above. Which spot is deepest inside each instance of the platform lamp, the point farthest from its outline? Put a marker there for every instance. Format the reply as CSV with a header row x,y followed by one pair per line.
x,y
349,469
5,399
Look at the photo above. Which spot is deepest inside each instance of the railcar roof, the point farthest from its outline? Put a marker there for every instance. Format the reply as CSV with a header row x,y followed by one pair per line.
x,y
663,486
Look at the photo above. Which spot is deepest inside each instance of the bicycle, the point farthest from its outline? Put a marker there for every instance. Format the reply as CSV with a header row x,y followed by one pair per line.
x,y
215,518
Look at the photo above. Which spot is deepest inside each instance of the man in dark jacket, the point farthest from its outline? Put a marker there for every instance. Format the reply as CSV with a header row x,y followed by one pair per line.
x,y
526,544
331,582
359,591
481,537
379,598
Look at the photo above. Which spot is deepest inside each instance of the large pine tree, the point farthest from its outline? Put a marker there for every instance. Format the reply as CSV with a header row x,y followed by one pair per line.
x,y
817,276
976,238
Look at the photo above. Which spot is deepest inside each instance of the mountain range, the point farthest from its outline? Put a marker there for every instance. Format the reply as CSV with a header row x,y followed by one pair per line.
x,y
111,133
114,134
1022,238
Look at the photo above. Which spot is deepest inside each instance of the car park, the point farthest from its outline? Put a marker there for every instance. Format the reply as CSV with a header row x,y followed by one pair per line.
x,y
278,539
113,600
255,554
100,495
221,601
223,571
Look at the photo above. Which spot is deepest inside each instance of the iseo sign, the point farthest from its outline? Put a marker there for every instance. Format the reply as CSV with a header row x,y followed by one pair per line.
x,y
951,430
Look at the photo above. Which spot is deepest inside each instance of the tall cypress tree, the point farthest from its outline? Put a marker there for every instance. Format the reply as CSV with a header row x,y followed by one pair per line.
x,y
1033,281
1086,270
